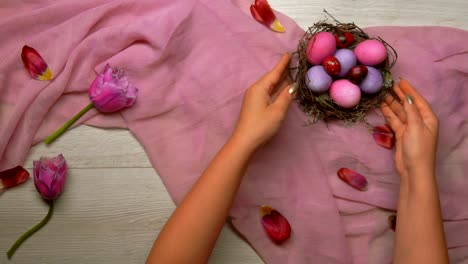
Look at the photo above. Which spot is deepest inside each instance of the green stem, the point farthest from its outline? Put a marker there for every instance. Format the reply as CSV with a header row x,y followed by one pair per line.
x,y
31,231
68,124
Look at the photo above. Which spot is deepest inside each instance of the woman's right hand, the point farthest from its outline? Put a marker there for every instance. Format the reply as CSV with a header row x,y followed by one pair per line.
x,y
416,131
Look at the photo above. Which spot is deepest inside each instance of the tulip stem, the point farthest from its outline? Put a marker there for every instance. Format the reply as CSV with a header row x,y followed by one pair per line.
x,y
31,231
67,125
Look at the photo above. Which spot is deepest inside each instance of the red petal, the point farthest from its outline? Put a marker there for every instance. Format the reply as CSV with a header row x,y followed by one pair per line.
x,y
384,136
35,64
264,12
255,14
353,178
275,225
12,177
392,221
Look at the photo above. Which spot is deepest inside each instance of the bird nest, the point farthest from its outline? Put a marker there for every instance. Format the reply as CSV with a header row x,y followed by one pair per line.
x,y
320,106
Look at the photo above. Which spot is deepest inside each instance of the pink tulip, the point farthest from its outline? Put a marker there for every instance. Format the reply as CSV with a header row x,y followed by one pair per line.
x,y
49,176
49,179
111,91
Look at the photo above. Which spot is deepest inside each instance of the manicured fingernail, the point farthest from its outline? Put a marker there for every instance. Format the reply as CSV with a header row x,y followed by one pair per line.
x,y
293,88
409,99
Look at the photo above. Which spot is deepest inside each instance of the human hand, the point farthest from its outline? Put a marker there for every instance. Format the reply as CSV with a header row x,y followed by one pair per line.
x,y
416,129
265,106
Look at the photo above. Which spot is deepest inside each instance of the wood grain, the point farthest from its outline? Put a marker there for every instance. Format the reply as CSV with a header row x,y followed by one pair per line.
x,y
115,204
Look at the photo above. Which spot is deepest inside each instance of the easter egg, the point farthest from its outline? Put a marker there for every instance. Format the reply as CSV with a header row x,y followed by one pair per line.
x,y
331,65
322,45
345,94
370,52
347,60
318,79
344,39
373,81
357,74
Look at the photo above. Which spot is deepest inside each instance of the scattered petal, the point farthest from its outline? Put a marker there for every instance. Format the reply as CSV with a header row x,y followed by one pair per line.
x,y
392,221
275,225
263,13
35,64
12,177
353,178
384,136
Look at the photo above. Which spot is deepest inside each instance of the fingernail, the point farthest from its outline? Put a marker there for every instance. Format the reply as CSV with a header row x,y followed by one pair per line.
x,y
293,88
409,99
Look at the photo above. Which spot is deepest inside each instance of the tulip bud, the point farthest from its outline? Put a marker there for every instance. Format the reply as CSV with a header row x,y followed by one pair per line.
x,y
49,176
275,225
35,64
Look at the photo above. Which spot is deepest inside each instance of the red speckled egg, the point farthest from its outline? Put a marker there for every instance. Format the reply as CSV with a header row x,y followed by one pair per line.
x,y
332,65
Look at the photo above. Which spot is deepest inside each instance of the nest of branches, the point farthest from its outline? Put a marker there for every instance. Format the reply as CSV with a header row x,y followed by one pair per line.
x,y
320,106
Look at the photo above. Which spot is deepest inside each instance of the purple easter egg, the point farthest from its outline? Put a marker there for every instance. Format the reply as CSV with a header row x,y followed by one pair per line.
x,y
318,80
373,81
347,60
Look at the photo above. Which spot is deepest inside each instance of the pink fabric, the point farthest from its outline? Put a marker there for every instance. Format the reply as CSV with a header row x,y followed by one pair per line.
x,y
191,61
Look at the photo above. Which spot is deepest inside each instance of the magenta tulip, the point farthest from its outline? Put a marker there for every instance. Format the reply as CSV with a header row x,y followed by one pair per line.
x,y
49,176
109,92
49,179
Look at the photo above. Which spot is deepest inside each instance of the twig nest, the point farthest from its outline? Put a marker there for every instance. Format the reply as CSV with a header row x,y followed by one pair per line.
x,y
341,72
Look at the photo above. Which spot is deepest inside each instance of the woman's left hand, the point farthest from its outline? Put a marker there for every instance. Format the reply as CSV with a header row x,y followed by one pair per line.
x,y
265,106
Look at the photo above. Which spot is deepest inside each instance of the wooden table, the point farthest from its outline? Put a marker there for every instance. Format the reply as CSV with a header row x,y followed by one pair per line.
x,y
115,204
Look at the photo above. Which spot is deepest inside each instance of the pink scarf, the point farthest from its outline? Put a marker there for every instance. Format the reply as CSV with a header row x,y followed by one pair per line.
x,y
192,61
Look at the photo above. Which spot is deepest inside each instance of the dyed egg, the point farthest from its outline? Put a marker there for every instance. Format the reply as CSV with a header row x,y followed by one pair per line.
x,y
331,65
345,93
373,81
347,60
344,40
322,45
370,52
357,74
318,80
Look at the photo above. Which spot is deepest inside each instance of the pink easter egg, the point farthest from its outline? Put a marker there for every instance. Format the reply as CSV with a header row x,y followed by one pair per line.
x,y
370,52
345,93
322,45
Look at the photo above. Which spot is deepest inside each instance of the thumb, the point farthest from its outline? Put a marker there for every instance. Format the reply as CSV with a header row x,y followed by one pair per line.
x,y
285,98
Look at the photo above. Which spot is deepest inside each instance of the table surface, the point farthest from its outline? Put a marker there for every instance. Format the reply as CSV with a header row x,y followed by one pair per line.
x,y
115,203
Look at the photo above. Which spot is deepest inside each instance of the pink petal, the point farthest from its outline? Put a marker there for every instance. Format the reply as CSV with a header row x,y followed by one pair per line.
x,y
353,178
275,225
12,177
384,136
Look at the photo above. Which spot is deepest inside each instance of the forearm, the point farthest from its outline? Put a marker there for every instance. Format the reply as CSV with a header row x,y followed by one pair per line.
x,y
419,233
191,232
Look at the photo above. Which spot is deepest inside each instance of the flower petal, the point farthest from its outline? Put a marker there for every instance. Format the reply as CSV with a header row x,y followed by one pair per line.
x,y
392,221
384,136
262,12
12,177
35,64
353,178
275,225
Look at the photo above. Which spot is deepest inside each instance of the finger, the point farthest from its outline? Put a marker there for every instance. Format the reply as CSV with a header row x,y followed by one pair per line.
x,y
285,98
274,76
283,84
421,104
412,112
395,104
393,120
